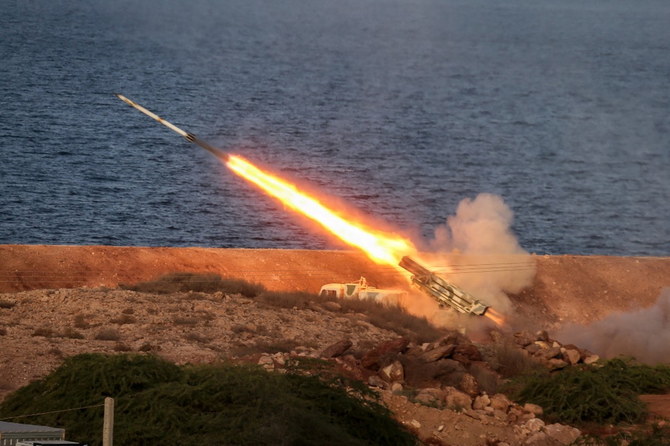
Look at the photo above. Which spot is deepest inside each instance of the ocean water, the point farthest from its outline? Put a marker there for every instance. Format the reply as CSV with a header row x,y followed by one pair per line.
x,y
399,109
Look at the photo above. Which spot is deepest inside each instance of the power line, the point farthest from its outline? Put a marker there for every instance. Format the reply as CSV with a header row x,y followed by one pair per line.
x,y
50,412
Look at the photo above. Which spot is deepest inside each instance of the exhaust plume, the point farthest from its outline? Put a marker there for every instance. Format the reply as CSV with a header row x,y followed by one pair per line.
x,y
643,334
480,252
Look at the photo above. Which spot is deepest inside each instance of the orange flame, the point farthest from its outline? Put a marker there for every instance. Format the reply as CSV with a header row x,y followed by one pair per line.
x,y
496,317
380,247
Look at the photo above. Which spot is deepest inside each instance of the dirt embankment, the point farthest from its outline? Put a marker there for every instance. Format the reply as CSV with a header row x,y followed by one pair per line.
x,y
566,288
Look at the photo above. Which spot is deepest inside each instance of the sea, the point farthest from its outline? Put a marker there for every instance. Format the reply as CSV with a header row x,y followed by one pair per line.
x,y
396,109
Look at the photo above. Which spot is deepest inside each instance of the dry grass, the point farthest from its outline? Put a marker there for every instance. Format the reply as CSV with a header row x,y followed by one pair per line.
x,y
108,334
121,347
509,360
44,332
389,317
81,322
7,304
273,346
202,283
185,320
71,333
124,319
198,338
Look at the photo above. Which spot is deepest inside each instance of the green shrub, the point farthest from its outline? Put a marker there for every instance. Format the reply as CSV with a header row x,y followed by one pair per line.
x,y
606,394
160,403
203,283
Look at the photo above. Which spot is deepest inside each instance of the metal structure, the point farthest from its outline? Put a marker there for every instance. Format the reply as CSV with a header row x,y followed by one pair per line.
x,y
444,292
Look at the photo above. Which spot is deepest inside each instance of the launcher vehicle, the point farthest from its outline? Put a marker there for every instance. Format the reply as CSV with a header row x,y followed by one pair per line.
x,y
441,290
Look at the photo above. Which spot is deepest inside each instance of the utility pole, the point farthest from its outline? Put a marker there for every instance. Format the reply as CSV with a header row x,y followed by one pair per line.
x,y
108,423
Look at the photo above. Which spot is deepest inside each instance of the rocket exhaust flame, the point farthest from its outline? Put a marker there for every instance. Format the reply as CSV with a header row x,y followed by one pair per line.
x,y
381,247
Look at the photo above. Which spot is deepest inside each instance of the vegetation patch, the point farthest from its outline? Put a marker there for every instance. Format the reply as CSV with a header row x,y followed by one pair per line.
x,y
165,404
600,394
201,283
382,315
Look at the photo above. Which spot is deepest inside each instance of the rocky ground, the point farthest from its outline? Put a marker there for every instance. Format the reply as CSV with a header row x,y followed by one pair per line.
x,y
61,301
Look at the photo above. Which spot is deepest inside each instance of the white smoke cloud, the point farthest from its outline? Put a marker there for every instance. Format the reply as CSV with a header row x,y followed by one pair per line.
x,y
644,334
481,252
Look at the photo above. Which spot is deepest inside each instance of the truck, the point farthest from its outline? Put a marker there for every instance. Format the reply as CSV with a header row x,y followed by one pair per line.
x,y
360,290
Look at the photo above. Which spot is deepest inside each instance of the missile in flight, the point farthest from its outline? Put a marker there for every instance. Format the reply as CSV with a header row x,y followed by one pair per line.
x,y
189,136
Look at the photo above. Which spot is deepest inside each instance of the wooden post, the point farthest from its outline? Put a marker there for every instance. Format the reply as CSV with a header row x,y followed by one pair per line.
x,y
108,423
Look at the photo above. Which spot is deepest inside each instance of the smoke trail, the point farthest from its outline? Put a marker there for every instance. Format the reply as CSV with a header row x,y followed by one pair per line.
x,y
644,334
482,253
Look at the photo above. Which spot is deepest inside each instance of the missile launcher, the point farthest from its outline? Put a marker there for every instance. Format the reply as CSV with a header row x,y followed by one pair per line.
x,y
441,290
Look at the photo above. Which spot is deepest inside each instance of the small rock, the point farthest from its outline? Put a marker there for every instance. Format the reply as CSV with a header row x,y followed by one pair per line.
x,y
591,359
542,344
396,388
533,408
523,338
430,397
376,381
500,402
481,402
533,348
534,425
549,353
266,362
556,364
542,335
457,400
415,424
563,434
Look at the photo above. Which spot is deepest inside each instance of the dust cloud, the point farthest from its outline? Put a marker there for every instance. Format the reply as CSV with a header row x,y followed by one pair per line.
x,y
478,251
643,334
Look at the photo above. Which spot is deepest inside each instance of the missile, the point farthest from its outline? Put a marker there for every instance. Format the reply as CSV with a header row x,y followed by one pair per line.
x,y
446,293
189,136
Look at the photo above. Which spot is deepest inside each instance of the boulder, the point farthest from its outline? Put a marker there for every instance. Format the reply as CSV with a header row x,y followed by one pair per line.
x,y
466,353
438,353
393,372
571,356
383,352
337,349
563,434
469,384
533,348
537,439
431,397
542,335
523,338
457,400
549,353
